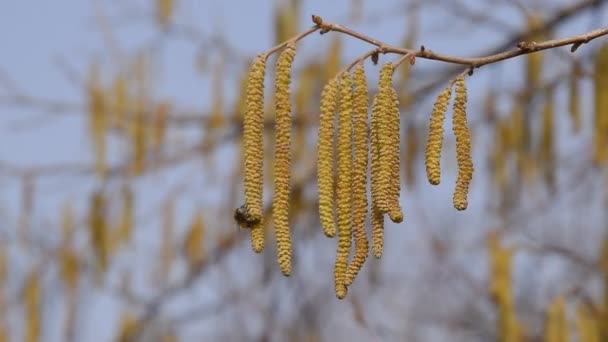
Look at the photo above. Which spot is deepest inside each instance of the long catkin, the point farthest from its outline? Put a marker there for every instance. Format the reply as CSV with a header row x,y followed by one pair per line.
x,y
253,126
359,174
283,157
344,184
325,160
435,139
381,111
377,216
463,146
395,212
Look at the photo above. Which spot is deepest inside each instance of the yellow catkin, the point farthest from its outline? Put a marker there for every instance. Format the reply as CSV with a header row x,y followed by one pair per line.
x,y
129,325
377,217
121,98
586,325
126,216
97,119
508,326
574,106
344,183
253,126
600,83
325,157
395,212
139,143
556,326
547,152
164,9
534,61
435,139
257,236
70,268
32,301
376,194
382,112
282,166
463,146
98,230
193,242
359,174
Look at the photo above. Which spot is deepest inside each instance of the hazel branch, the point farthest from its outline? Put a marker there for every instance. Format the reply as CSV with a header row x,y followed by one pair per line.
x,y
473,62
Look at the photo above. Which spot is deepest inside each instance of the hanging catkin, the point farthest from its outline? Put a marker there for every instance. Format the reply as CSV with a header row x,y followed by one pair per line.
x,y
393,154
600,83
325,160
574,106
344,183
463,146
377,216
547,150
381,112
435,139
359,174
253,126
556,324
283,157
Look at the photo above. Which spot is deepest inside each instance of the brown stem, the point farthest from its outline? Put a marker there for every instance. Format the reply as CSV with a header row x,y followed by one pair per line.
x,y
293,39
473,62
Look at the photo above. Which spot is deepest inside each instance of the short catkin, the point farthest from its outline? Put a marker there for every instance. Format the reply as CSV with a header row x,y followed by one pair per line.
x,y
359,174
344,183
463,146
325,159
435,139
253,126
283,157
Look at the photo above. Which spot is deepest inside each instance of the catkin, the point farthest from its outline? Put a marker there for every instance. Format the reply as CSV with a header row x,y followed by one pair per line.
x,y
381,110
257,236
574,106
283,157
556,325
359,174
463,146
393,154
435,139
98,230
32,301
376,194
547,152
253,126
97,116
600,83
344,183
193,242
325,160
377,217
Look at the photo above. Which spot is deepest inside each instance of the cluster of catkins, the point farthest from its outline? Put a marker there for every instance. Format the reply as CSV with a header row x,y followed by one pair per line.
x,y
360,144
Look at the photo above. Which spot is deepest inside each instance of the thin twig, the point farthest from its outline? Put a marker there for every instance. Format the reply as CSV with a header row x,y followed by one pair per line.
x,y
523,48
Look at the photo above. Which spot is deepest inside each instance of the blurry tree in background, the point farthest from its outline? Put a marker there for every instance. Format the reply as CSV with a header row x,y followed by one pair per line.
x,y
134,239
